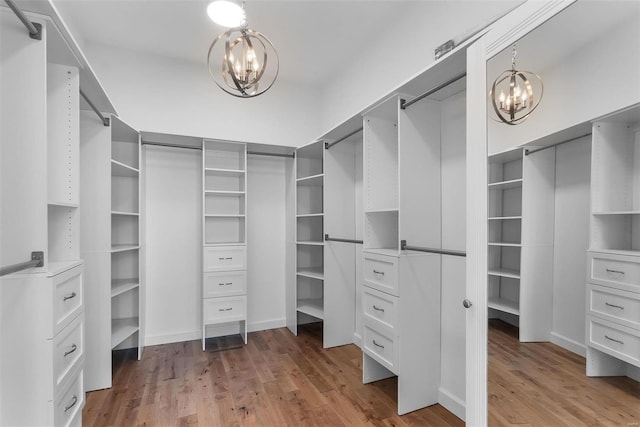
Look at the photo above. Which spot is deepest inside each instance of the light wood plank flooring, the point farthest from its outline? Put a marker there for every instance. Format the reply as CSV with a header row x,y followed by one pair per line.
x,y
542,384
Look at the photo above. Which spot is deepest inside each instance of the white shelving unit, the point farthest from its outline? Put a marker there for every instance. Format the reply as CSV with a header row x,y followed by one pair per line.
x,y
613,288
224,234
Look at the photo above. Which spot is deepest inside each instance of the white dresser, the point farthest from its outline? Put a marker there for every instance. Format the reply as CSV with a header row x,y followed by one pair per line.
x,y
43,347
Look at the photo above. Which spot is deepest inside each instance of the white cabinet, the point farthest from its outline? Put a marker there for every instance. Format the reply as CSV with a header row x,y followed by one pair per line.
x,y
613,276
224,225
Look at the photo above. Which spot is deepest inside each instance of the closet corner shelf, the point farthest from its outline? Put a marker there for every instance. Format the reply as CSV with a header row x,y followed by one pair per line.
x,y
313,273
505,185
224,171
310,181
504,305
506,244
120,286
501,218
312,307
310,243
121,329
504,272
310,215
124,248
604,213
120,169
223,193
121,213
63,204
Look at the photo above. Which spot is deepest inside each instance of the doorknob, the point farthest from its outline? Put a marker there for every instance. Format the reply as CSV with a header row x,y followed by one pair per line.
x,y
466,303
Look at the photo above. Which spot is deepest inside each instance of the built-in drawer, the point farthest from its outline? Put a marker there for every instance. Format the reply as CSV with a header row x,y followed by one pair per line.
x,y
616,340
615,305
68,351
67,298
379,307
380,347
225,309
381,272
224,284
619,271
224,258
69,404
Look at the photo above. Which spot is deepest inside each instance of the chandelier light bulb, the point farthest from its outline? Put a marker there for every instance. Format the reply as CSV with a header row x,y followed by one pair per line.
x,y
226,13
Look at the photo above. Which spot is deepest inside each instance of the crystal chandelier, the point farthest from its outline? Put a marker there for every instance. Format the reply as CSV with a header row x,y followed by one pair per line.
x,y
243,62
514,106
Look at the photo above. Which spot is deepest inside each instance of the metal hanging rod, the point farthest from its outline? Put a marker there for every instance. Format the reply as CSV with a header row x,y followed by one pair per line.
x,y
405,247
527,152
105,120
37,260
329,145
35,29
336,239
257,153
404,103
163,144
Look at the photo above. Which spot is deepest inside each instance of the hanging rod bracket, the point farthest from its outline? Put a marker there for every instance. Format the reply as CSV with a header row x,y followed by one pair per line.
x,y
37,260
34,29
402,102
38,34
38,256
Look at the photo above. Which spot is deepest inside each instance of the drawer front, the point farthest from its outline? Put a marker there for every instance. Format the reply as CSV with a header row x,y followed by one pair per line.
x,y
380,307
67,297
619,271
68,351
224,284
616,340
615,305
381,273
380,347
70,402
224,258
227,309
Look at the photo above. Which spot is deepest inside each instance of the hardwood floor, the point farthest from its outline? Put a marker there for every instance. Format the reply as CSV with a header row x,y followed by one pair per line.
x,y
277,379
541,384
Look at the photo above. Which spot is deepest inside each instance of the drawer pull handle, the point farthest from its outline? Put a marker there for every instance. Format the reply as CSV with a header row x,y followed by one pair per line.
x,y
225,309
378,308
72,404
221,259
378,272
377,345
70,296
613,339
614,306
73,348
614,271
225,284
229,258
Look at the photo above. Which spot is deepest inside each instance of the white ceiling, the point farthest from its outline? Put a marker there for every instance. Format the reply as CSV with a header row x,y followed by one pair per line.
x,y
313,38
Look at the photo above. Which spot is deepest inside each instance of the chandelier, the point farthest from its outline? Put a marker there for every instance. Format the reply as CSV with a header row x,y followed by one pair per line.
x,y
242,61
514,106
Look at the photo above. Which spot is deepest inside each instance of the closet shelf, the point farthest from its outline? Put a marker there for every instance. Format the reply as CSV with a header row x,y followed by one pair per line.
x,y
386,210
312,307
62,204
310,243
215,244
55,268
120,286
504,305
224,216
121,329
383,251
504,272
313,272
501,218
124,248
506,244
125,213
616,251
223,193
224,171
311,181
603,213
505,185
120,169
310,215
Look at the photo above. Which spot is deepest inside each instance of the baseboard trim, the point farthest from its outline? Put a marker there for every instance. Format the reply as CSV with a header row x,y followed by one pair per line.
x,y
569,344
454,404
218,330
357,340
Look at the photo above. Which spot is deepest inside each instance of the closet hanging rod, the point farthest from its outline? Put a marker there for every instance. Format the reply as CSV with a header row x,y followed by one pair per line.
x,y
37,260
336,239
105,120
257,153
164,144
404,103
527,152
405,247
328,145
35,29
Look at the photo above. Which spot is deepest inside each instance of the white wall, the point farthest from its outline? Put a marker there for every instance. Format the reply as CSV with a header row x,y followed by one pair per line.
x,y
400,51
161,94
571,241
